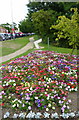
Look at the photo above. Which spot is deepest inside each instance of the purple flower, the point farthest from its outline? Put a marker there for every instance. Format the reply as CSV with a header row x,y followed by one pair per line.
x,y
42,99
27,98
38,100
38,105
44,106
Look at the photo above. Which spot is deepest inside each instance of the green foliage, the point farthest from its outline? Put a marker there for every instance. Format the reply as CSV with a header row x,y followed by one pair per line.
x,y
25,26
36,6
68,28
42,20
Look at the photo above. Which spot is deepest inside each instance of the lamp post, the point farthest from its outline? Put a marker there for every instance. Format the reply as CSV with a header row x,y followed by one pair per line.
x,y
12,27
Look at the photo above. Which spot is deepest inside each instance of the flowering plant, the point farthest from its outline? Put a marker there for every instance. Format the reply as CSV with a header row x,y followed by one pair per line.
x,y
42,79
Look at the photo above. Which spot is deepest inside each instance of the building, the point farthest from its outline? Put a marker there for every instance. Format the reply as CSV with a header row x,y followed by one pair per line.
x,y
3,30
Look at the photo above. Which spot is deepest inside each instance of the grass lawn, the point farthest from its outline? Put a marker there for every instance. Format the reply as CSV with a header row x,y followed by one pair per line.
x,y
50,48
58,49
10,46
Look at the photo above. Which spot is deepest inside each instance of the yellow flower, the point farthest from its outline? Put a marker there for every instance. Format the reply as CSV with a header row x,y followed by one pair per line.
x,y
46,89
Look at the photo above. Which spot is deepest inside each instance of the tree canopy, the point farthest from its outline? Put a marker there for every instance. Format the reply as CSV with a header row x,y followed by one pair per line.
x,y
26,26
68,28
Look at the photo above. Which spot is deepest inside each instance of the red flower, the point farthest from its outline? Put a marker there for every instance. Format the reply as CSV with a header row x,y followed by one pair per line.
x,y
73,86
44,74
1,86
62,75
2,104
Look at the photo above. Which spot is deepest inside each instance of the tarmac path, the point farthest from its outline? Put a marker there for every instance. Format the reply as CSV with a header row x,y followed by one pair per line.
x,y
18,52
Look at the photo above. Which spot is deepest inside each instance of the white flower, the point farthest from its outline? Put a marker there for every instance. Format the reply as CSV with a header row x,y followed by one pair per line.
x,y
47,109
15,100
69,101
60,101
37,115
68,107
49,78
44,77
7,84
75,89
17,105
70,89
68,86
65,115
64,98
52,97
58,97
29,107
36,97
22,115
27,89
19,101
23,105
64,106
47,86
48,98
72,114
60,87
14,105
46,115
55,91
49,105
30,115
15,115
55,115
77,114
6,114
31,88
18,73
53,108
14,84
9,97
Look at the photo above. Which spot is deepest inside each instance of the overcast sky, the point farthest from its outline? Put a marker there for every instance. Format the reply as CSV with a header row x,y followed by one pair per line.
x,y
12,10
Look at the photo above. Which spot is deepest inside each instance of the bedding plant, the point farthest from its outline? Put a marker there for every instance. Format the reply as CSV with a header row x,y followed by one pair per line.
x,y
41,81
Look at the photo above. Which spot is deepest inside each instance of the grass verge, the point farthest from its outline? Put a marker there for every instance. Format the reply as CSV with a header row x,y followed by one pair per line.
x,y
10,46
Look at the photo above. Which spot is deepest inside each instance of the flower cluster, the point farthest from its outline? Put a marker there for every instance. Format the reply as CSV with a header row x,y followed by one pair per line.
x,y
45,115
41,79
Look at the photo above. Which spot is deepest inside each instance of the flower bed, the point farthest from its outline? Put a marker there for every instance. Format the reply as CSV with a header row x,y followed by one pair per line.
x,y
40,81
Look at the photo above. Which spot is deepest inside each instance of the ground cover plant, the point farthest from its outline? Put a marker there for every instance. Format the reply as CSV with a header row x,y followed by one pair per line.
x,y
40,82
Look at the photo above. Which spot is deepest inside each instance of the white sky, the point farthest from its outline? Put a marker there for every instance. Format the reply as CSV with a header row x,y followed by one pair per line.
x,y
13,10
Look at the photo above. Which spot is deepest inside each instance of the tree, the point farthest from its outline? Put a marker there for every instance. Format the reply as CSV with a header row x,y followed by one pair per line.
x,y
42,20
26,26
36,6
68,28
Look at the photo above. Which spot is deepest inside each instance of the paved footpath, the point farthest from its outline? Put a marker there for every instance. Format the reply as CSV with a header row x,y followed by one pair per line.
x,y
18,52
